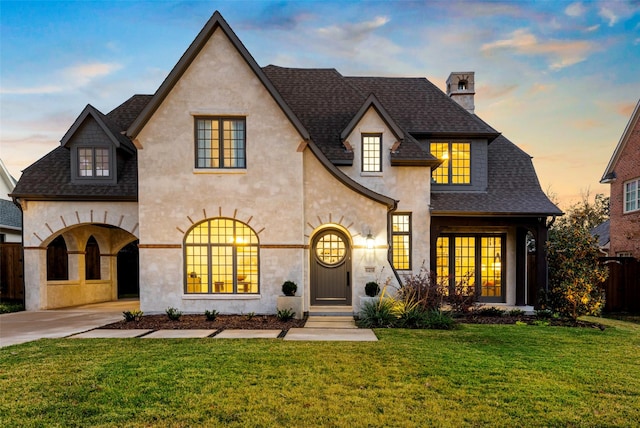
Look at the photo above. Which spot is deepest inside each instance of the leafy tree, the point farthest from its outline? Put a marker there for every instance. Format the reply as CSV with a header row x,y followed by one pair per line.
x,y
575,275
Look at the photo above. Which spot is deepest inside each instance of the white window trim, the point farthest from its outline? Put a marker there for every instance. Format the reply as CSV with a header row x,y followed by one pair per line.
x,y
624,196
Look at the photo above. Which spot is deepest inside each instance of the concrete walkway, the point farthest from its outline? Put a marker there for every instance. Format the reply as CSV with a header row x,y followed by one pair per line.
x,y
21,327
83,322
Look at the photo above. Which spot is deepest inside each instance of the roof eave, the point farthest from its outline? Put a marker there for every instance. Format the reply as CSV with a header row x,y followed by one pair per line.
x,y
437,213
350,183
72,198
433,163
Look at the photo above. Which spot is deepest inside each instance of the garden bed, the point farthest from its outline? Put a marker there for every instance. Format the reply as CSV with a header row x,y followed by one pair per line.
x,y
222,322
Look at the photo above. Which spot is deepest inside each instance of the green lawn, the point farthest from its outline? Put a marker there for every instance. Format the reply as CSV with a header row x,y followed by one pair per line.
x,y
499,375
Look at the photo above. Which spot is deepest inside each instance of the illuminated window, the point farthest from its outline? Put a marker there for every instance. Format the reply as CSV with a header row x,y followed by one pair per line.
x,y
93,162
632,195
456,165
221,257
220,142
371,152
474,261
401,241
331,249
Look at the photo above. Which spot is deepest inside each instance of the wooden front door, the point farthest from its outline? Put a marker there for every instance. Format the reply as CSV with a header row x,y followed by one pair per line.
x,y
330,269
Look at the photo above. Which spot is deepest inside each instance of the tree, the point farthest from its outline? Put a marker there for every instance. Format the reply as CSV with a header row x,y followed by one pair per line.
x,y
575,274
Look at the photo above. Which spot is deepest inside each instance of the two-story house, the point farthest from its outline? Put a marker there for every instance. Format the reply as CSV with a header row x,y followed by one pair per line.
x,y
233,178
623,174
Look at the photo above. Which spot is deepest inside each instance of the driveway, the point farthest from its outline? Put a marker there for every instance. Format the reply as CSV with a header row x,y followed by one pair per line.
x,y
21,327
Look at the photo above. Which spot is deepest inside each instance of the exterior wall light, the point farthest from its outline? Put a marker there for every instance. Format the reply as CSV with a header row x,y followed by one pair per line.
x,y
370,241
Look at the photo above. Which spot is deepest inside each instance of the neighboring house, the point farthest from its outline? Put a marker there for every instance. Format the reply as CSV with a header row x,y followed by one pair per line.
x,y
601,233
623,173
234,178
10,215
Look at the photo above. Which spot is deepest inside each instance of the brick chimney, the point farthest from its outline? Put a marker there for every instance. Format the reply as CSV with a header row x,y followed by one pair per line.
x,y
461,89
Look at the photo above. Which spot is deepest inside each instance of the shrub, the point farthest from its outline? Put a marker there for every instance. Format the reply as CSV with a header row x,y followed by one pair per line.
x,y
289,288
285,314
422,290
412,317
132,315
462,297
371,289
250,315
489,311
575,275
515,313
544,314
439,320
378,314
8,307
173,313
211,315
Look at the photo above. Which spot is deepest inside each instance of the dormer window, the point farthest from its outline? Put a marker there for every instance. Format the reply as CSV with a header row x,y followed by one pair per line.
x,y
456,162
93,162
462,85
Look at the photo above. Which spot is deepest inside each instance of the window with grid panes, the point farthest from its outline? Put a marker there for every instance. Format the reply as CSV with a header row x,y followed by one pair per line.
x,y
371,152
472,261
220,142
93,162
456,165
221,257
401,241
632,195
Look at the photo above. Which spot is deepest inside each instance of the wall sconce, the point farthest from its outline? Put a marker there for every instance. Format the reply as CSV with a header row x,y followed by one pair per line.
x,y
370,241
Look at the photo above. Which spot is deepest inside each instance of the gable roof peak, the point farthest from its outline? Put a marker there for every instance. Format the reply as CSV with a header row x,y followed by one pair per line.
x,y
213,24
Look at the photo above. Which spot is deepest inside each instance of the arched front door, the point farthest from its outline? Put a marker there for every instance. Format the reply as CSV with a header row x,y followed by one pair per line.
x,y
330,269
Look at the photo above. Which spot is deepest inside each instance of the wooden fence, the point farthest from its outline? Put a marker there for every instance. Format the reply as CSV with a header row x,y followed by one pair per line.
x,y
11,271
623,284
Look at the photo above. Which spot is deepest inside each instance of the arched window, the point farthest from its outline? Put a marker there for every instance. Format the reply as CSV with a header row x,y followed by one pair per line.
x,y
221,257
92,259
57,260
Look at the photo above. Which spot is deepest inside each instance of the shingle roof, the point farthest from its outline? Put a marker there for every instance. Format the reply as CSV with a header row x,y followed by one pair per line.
x,y
602,232
512,189
326,102
10,214
50,177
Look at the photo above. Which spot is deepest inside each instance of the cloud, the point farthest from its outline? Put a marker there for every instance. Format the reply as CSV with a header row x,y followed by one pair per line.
x,y
575,9
586,124
46,89
68,79
559,53
592,28
82,74
354,33
608,15
538,88
625,109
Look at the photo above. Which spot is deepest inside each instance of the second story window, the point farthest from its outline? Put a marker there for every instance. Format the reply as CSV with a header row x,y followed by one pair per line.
x,y
220,142
632,195
93,162
456,165
371,153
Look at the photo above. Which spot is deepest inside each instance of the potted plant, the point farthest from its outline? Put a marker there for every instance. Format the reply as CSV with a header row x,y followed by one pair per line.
x,y
371,289
290,302
289,288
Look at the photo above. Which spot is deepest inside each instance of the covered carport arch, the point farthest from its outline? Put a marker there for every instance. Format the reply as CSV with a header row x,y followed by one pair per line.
x,y
75,263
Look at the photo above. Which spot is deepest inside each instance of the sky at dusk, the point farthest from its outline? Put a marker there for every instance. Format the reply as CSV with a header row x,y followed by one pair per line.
x,y
559,79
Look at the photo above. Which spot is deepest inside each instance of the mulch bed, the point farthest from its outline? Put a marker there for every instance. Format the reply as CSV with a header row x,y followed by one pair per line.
x,y
529,319
222,322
